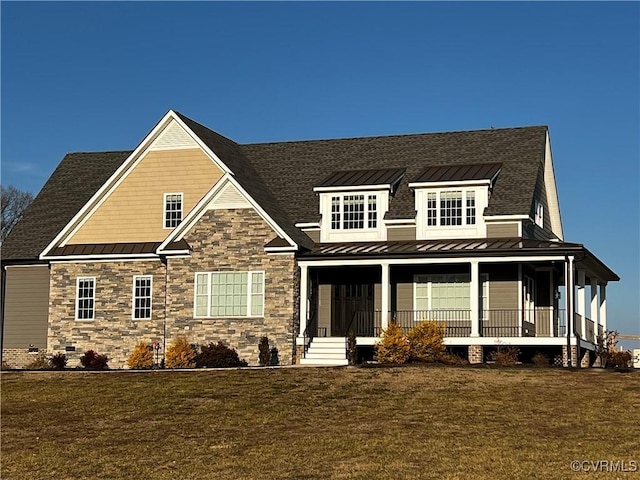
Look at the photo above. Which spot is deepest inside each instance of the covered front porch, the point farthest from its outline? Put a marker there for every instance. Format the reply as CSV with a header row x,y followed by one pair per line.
x,y
516,292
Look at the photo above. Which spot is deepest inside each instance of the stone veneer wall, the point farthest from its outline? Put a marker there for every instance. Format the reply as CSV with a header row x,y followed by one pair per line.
x,y
233,240
113,331
17,357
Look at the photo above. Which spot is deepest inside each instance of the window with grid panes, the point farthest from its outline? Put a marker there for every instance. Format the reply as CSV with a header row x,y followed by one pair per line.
x,y
142,297
229,294
85,298
172,210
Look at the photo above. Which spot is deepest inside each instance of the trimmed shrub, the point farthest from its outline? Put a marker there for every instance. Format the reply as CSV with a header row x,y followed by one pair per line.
x,y
58,361
393,346
352,348
92,360
218,356
273,357
141,358
180,354
264,355
39,362
505,356
541,360
426,341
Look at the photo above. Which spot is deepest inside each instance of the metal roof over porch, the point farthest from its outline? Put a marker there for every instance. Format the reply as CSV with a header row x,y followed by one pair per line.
x,y
464,248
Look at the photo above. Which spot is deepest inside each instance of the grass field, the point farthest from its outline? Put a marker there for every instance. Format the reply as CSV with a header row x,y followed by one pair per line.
x,y
313,423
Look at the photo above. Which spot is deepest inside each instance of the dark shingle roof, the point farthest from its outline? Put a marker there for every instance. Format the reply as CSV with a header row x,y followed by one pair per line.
x,y
71,185
292,169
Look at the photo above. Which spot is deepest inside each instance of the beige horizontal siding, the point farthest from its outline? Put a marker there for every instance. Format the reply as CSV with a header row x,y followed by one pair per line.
x,y
324,307
134,211
401,233
313,235
502,230
26,307
405,296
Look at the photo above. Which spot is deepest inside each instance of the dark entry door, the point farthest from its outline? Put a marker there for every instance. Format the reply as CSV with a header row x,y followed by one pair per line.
x,y
347,299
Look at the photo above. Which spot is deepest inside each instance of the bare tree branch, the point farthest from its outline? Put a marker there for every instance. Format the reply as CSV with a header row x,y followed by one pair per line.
x,y
13,204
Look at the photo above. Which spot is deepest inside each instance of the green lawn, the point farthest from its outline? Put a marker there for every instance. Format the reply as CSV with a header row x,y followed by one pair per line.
x,y
308,423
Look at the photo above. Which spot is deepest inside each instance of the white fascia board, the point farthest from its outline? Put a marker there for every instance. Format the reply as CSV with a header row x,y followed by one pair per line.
x,y
553,202
426,261
460,183
308,225
121,173
400,222
502,218
352,188
279,249
171,253
199,210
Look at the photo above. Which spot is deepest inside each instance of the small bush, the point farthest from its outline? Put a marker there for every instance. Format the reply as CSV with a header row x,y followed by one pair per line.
x,y
92,360
218,356
426,341
452,359
273,357
39,362
141,358
352,348
618,359
58,361
505,356
393,346
264,355
5,366
180,354
541,360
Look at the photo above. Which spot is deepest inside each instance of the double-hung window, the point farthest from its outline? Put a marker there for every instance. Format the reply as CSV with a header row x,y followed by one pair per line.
x,y
354,212
539,219
142,288
85,298
229,294
172,209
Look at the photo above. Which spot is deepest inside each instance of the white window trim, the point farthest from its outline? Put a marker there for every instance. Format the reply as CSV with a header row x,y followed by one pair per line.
x,y
539,214
164,209
133,297
365,212
437,231
249,273
77,301
327,234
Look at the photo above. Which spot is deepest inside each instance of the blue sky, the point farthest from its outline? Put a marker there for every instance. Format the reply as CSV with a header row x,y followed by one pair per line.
x,y
97,76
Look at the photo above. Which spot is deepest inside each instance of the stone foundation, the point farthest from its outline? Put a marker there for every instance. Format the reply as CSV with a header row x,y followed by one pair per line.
x,y
475,354
574,356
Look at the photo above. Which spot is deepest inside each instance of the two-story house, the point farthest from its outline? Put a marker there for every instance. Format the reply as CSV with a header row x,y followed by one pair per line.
x,y
193,234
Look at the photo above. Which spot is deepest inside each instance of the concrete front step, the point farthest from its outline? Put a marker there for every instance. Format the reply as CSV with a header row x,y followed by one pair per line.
x,y
326,351
324,361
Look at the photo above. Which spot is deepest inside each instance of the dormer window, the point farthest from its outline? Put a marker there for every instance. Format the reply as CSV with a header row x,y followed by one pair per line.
x,y
354,212
450,200
353,203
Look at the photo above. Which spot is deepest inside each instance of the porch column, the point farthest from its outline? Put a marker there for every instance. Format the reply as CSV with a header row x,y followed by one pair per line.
x,y
304,294
580,303
474,304
594,308
385,303
603,306
569,288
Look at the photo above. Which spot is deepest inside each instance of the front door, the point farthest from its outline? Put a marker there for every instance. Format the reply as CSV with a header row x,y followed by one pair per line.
x,y
347,299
